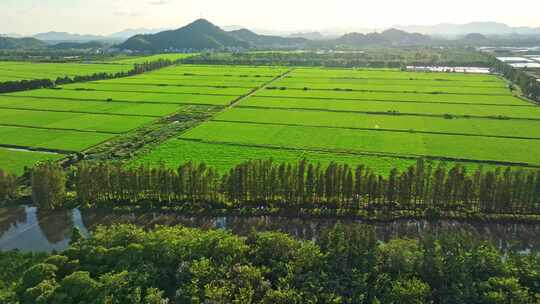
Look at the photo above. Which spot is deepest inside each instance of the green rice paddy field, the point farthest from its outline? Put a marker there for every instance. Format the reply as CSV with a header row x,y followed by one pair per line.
x,y
383,118
22,70
15,70
74,118
11,159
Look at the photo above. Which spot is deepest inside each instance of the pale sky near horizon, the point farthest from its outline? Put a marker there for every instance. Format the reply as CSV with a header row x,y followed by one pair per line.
x,y
108,16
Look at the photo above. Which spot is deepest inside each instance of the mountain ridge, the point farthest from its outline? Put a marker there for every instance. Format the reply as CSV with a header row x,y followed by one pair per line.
x,y
488,28
9,43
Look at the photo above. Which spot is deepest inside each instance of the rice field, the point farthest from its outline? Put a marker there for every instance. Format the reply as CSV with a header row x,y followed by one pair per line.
x,y
370,116
15,160
521,110
76,117
380,117
19,70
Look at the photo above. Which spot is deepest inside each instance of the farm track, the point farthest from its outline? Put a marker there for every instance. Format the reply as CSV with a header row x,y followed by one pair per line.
x,y
377,129
393,101
240,98
177,85
367,153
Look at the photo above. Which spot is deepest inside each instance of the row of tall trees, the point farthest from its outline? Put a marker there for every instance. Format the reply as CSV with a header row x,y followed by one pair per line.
x,y
8,186
267,184
528,83
48,185
15,86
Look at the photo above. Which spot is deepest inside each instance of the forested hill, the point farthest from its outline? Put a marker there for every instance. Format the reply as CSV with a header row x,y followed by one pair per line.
x,y
8,43
198,35
202,34
391,37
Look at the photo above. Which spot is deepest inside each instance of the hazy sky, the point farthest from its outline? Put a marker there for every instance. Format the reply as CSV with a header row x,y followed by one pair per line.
x,y
108,16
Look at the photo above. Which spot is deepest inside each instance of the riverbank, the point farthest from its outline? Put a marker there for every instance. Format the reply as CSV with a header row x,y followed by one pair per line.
x,y
31,229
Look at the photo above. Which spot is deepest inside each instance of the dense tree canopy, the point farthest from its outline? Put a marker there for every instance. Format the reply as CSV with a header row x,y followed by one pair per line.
x,y
126,264
367,57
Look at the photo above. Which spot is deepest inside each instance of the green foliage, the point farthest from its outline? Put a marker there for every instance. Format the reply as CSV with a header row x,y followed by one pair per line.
x,y
126,264
369,57
77,287
409,291
427,189
48,185
12,265
37,273
8,186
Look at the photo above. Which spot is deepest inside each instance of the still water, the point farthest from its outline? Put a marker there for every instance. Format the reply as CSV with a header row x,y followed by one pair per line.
x,y
29,229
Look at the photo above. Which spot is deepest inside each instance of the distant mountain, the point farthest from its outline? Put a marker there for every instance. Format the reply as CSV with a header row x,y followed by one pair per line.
x,y
391,37
484,28
78,45
8,43
310,36
475,38
125,34
199,35
12,35
67,37
267,41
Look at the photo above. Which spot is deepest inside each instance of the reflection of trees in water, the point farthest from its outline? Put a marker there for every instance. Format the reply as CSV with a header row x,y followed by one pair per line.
x,y
55,225
516,237
10,217
504,236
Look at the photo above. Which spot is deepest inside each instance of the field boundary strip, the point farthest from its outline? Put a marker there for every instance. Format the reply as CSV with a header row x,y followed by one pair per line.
x,y
450,81
37,149
308,89
150,92
387,91
79,112
171,85
367,153
462,116
238,100
121,101
376,129
209,75
395,100
60,129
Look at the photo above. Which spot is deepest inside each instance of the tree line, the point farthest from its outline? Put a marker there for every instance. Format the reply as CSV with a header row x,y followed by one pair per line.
x,y
528,83
265,184
22,85
8,186
372,58
346,264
